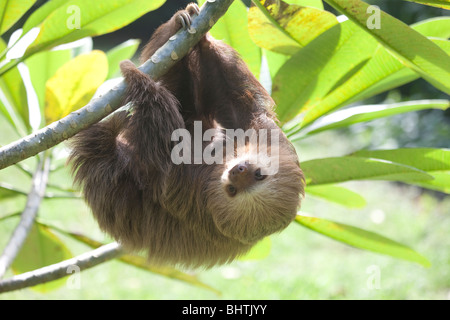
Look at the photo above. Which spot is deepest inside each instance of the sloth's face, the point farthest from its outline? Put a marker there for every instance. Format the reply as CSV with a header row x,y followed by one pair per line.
x,y
248,205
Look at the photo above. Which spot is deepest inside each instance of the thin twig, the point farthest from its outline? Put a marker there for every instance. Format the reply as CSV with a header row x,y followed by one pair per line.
x,y
100,107
59,270
28,216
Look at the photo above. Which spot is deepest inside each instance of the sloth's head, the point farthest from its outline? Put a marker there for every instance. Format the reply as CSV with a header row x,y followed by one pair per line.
x,y
256,196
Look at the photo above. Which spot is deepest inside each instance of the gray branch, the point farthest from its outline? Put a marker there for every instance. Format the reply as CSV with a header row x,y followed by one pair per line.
x,y
102,106
62,269
39,183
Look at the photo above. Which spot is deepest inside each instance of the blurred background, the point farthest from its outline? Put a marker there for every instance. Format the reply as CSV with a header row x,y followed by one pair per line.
x,y
301,264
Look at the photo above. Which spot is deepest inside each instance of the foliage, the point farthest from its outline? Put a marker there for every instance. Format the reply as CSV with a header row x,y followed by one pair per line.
x,y
317,65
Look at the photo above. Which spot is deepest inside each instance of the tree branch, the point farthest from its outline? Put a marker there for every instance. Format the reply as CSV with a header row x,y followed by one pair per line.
x,y
28,216
100,107
59,270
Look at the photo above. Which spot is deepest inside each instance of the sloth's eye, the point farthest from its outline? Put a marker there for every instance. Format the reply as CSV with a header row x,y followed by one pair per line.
x,y
258,175
231,190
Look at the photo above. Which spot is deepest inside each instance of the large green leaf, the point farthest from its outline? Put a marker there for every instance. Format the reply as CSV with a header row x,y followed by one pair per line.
x,y
74,84
11,11
340,169
94,17
337,194
445,4
382,72
362,239
286,28
438,27
409,46
232,29
36,18
42,67
41,249
121,52
347,117
435,162
315,70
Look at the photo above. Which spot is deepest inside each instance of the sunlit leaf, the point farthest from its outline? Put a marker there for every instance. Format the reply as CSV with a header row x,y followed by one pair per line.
x,y
317,69
340,169
409,46
362,239
286,28
382,72
435,162
438,27
41,249
337,194
445,4
347,117
40,14
11,11
74,84
260,251
77,19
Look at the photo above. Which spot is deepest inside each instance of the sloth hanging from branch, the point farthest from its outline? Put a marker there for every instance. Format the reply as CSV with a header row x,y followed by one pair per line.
x,y
152,185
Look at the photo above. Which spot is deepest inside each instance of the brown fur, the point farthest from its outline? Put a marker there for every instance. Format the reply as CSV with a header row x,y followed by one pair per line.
x,y
182,214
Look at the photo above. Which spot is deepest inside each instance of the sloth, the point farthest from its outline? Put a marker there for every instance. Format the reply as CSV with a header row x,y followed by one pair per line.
x,y
195,212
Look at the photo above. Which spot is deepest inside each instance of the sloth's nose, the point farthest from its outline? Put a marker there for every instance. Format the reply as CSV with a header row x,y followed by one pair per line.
x,y
240,176
239,169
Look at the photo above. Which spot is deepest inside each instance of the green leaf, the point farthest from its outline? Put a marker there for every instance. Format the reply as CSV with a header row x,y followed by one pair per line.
x,y
445,4
42,67
258,252
382,72
315,70
74,84
409,46
438,27
340,169
77,19
39,15
41,249
13,97
121,52
435,162
337,194
232,29
347,117
440,183
362,239
11,11
286,28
